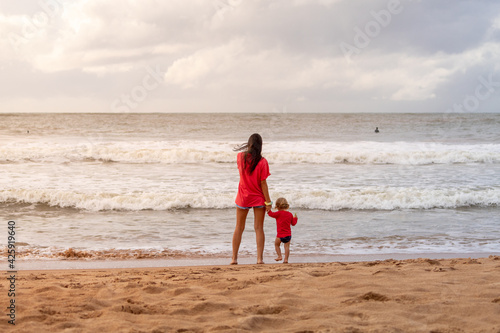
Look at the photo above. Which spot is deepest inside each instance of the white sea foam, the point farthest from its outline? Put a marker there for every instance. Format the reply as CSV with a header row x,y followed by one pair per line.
x,y
190,152
395,198
355,199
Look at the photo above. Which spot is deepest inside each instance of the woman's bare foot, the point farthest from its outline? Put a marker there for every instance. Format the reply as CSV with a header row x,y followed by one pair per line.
x,y
285,262
278,259
260,263
234,262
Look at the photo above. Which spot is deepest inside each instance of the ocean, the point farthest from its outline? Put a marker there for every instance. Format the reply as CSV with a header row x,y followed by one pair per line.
x,y
130,186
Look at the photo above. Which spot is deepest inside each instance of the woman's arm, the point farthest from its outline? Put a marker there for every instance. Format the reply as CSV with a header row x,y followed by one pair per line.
x,y
265,191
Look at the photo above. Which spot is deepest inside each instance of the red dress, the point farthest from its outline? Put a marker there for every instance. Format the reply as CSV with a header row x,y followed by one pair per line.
x,y
249,190
283,221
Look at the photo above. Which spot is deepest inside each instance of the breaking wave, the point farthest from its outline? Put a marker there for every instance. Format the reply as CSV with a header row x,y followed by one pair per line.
x,y
189,152
389,198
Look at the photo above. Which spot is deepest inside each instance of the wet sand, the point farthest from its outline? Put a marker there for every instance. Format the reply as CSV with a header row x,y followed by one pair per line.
x,y
413,295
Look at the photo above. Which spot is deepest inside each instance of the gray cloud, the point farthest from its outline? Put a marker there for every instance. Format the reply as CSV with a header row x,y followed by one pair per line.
x,y
251,56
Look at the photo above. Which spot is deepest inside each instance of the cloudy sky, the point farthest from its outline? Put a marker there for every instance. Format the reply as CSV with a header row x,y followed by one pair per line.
x,y
250,56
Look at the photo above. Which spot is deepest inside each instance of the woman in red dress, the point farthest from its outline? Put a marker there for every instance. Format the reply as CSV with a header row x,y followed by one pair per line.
x,y
252,193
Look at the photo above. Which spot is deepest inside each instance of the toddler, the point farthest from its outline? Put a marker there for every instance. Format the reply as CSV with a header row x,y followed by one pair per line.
x,y
284,233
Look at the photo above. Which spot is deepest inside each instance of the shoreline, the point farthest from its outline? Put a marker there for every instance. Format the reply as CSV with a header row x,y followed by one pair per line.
x,y
73,264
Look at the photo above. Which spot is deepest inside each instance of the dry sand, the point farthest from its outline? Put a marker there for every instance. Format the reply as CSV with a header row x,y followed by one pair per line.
x,y
418,295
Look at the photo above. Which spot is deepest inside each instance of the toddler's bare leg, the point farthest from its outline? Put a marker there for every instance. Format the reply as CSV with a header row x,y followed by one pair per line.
x,y
287,252
277,244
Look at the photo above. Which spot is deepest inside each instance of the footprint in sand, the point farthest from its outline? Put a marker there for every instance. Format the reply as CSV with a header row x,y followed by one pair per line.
x,y
265,310
180,291
255,323
66,325
358,315
48,311
319,273
370,296
38,319
50,288
209,307
133,308
153,290
91,315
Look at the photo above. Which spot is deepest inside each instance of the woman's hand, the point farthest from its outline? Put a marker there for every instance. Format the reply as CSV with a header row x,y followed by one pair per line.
x,y
265,191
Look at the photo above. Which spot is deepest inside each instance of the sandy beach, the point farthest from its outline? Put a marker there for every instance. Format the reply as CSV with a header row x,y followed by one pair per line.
x,y
414,295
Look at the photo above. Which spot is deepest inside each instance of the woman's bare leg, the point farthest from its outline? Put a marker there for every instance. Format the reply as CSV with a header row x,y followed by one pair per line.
x,y
259,215
241,217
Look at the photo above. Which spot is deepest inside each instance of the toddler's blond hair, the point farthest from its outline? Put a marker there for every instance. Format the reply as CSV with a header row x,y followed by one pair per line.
x,y
281,203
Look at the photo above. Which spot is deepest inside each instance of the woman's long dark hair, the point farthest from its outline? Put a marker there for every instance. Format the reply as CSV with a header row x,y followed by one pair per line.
x,y
253,150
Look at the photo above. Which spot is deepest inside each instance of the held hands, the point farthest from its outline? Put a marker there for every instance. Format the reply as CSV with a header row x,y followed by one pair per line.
x,y
269,205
